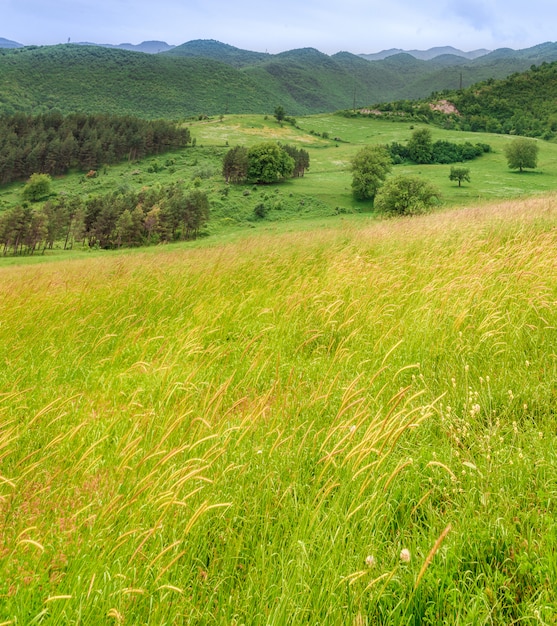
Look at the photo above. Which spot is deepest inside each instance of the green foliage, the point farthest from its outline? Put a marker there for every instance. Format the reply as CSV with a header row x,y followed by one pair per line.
x,y
280,113
53,144
420,146
522,104
421,149
38,187
300,158
460,174
235,165
370,167
113,220
406,195
260,211
522,154
269,163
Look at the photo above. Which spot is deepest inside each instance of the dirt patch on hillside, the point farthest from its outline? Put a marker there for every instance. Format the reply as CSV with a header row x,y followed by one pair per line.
x,y
444,106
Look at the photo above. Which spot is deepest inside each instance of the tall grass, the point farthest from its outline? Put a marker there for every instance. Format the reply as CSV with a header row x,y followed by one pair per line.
x,y
346,426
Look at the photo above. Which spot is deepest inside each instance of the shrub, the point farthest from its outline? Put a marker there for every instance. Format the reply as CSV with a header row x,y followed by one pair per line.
x,y
37,187
406,195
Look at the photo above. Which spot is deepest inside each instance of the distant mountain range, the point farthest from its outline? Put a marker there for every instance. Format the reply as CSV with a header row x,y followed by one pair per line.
x,y
6,43
207,77
426,55
154,47
150,47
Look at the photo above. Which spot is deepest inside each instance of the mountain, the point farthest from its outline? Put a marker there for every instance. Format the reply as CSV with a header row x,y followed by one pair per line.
x,y
6,43
211,49
93,79
149,47
425,55
206,77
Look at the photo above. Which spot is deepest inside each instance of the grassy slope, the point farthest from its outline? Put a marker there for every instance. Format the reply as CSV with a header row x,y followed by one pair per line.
x,y
223,435
329,177
325,190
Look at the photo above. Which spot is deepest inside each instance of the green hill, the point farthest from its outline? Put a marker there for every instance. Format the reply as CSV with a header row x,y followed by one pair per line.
x,y
93,79
211,49
524,103
208,77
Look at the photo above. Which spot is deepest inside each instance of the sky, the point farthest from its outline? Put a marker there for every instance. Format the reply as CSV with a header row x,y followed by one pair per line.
x,y
356,26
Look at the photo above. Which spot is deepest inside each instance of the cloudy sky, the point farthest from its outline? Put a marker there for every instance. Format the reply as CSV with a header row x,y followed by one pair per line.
x,y
358,26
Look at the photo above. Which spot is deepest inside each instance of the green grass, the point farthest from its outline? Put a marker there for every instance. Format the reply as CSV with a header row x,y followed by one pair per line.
x,y
324,192
329,177
224,434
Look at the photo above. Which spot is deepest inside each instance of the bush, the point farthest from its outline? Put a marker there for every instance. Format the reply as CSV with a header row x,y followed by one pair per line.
x,y
260,211
406,195
37,187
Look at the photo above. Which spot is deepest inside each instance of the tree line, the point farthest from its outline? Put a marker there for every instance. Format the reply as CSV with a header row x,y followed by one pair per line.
x,y
421,149
53,144
115,220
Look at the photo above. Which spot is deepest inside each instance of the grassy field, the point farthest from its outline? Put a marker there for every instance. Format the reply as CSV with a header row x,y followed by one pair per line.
x,y
329,177
324,192
346,425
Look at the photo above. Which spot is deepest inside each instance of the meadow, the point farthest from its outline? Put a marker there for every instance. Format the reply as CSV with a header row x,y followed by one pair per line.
x,y
323,195
346,424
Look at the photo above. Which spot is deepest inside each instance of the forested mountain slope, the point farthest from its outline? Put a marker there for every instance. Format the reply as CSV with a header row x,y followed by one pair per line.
x,y
209,78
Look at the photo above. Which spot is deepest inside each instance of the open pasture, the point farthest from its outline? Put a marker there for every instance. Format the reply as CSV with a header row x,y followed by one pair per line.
x,y
348,425
329,177
324,191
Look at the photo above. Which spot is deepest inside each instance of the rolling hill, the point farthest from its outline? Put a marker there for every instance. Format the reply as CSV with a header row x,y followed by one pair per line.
x,y
210,78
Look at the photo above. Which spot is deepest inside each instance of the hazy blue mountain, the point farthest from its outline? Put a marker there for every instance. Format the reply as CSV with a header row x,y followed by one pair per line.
x,y
7,43
426,55
150,47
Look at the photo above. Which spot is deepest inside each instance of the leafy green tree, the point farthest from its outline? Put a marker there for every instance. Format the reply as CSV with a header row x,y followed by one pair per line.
x,y
406,195
370,167
420,146
280,114
301,159
522,153
459,174
124,229
152,223
37,187
268,163
235,165
197,212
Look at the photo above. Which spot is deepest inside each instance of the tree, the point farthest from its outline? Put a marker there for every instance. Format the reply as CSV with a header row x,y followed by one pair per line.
x,y
459,174
280,114
420,146
406,195
37,187
268,163
196,213
301,159
370,167
235,165
522,153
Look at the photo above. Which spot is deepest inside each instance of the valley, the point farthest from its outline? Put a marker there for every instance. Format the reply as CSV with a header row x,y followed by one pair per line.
x,y
298,410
